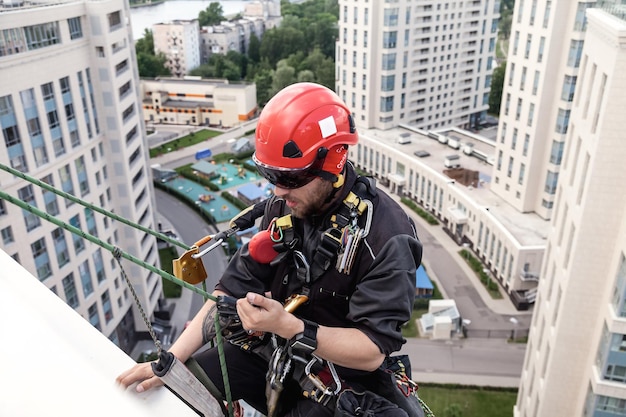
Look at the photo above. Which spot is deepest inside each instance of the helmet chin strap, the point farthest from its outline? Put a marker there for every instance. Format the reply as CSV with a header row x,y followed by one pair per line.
x,y
337,184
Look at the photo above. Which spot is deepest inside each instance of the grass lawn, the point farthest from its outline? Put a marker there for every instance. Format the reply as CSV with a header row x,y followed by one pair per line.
x,y
170,289
458,401
183,142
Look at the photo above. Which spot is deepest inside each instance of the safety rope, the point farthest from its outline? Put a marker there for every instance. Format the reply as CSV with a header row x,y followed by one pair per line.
x,y
93,207
117,254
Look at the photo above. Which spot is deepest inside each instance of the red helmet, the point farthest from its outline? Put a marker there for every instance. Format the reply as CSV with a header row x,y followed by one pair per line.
x,y
297,129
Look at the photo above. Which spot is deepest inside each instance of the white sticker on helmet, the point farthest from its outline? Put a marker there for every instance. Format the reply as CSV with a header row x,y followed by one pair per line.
x,y
327,126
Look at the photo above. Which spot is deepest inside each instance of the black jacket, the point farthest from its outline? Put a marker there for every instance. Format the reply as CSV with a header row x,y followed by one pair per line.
x,y
377,297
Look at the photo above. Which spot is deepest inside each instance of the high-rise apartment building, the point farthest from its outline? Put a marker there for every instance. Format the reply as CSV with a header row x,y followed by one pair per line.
x,y
547,38
70,116
576,355
426,64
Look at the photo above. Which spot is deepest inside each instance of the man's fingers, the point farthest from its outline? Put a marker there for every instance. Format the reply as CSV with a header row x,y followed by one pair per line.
x,y
149,383
141,373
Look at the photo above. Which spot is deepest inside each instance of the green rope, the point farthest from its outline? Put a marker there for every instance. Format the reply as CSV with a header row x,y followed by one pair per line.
x,y
103,244
93,207
117,253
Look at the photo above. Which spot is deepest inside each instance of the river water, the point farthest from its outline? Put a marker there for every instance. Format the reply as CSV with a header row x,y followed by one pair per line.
x,y
144,17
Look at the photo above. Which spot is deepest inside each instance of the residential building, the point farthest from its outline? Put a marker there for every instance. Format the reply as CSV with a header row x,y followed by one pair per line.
x,y
229,36
426,64
234,35
509,243
70,117
576,356
179,41
545,48
196,101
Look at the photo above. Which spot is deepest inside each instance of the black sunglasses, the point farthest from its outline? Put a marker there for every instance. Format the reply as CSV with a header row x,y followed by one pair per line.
x,y
290,178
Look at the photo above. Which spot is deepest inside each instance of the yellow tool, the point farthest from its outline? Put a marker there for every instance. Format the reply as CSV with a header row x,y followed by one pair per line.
x,y
189,266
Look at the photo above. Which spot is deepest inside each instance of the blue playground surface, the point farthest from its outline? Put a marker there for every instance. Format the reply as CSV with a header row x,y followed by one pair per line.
x,y
208,201
233,176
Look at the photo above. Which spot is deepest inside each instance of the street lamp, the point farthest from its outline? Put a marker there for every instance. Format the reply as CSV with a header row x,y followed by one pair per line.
x,y
515,323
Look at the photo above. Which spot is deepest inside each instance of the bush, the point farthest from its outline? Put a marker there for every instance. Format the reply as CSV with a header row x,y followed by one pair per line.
x,y
430,219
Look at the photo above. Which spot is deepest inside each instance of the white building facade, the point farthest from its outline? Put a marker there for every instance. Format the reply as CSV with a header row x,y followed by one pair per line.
x,y
179,41
542,70
71,117
576,356
427,65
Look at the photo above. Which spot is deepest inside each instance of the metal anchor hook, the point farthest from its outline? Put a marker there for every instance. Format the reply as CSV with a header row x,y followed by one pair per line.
x,y
302,267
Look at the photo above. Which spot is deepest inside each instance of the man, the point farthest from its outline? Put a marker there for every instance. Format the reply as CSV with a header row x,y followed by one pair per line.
x,y
332,238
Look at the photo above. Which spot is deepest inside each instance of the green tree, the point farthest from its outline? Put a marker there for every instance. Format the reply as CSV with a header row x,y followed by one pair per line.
x,y
212,15
280,42
146,43
495,95
283,76
322,66
150,65
263,80
254,48
306,76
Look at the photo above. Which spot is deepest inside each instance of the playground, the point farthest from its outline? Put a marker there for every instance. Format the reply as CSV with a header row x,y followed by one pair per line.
x,y
230,176
208,201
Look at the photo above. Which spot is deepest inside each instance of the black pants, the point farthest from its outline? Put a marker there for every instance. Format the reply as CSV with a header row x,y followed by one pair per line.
x,y
246,378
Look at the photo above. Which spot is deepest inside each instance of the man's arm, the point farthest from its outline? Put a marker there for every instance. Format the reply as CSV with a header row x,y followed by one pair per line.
x,y
346,347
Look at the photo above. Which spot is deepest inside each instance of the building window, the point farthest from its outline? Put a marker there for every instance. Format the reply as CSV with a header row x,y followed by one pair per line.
x,y
386,104
389,61
391,17
42,261
79,243
26,195
60,246
115,20
529,39
69,288
535,83
40,36
551,180
569,87
575,52
99,265
7,235
562,121
106,306
76,29
85,278
388,82
94,317
546,14
390,39
531,114
50,198
12,41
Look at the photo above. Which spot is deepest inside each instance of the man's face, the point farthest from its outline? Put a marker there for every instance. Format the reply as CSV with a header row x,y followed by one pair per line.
x,y
307,200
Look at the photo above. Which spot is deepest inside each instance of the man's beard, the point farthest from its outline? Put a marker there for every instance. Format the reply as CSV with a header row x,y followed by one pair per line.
x,y
316,205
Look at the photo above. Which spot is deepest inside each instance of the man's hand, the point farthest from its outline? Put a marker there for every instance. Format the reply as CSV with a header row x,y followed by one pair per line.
x,y
142,373
259,313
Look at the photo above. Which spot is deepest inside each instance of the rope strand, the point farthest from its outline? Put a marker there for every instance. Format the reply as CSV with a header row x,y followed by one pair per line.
x,y
83,203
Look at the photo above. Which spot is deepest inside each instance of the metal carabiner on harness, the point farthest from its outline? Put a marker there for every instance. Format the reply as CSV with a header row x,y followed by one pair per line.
x,y
303,270
320,392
